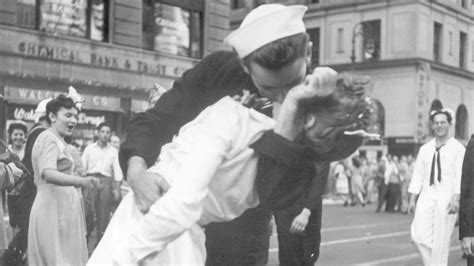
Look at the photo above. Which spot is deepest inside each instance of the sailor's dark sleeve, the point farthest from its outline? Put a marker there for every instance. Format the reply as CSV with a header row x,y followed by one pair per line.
x,y
466,206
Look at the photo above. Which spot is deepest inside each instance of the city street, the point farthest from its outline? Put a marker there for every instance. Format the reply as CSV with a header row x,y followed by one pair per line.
x,y
356,235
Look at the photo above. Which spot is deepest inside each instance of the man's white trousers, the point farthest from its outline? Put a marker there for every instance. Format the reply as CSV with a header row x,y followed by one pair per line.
x,y
432,228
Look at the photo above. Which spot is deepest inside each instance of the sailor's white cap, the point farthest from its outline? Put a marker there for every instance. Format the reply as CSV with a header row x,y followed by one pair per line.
x,y
265,24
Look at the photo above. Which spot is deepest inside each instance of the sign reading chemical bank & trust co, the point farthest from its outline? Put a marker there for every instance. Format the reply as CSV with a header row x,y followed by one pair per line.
x,y
102,55
34,96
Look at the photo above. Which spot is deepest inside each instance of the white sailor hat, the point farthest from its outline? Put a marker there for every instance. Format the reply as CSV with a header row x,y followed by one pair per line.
x,y
265,24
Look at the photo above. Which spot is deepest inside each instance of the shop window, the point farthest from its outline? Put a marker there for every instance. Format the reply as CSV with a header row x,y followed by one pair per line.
x,y
174,27
372,38
78,18
462,49
461,126
437,40
314,36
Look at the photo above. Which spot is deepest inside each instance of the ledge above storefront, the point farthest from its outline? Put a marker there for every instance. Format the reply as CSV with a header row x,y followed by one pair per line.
x,y
40,54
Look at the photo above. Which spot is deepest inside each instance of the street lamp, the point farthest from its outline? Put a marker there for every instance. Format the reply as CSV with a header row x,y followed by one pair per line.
x,y
365,30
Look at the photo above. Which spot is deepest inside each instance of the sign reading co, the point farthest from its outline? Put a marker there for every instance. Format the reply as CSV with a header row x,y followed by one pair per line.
x,y
34,96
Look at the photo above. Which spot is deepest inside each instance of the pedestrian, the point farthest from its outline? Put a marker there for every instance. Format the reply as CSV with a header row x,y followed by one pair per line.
x,y
466,208
16,253
357,181
404,172
56,233
393,187
245,240
382,182
342,182
100,159
115,141
9,173
436,181
211,168
371,184
17,138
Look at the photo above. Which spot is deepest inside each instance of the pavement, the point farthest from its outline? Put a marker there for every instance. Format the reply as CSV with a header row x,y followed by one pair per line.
x,y
360,236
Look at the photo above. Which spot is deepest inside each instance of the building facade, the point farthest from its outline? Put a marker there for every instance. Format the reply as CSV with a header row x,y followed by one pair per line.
x,y
111,51
418,53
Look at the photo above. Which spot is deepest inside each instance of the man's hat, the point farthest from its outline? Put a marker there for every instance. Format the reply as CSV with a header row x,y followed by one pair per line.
x,y
265,24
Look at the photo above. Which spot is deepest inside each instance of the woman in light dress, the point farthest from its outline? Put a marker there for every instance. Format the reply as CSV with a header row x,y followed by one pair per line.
x,y
56,234
342,182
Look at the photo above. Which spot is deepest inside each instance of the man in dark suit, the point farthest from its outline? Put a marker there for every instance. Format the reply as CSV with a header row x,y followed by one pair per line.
x,y
466,204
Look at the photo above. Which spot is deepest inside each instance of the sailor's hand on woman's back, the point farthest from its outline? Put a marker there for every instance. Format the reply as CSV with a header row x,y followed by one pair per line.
x,y
147,187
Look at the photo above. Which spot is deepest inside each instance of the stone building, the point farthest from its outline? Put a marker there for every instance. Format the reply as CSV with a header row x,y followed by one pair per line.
x,y
111,51
419,54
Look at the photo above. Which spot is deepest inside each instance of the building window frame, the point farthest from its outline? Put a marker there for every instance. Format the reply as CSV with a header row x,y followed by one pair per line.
x,y
315,38
40,10
462,49
372,39
340,41
437,41
194,9
237,4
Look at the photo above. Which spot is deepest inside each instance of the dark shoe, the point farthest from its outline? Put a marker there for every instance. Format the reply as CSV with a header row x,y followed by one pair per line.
x,y
345,204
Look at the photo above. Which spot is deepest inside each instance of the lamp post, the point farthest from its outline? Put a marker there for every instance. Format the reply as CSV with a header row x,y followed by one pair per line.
x,y
365,30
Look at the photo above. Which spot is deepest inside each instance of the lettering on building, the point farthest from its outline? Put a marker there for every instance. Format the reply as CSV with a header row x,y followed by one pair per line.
x,y
99,59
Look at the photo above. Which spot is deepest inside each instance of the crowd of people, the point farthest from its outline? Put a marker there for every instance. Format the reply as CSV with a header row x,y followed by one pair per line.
x,y
383,181
71,194
210,163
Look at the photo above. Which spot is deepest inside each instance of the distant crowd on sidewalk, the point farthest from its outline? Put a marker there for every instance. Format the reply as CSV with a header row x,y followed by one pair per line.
x,y
383,181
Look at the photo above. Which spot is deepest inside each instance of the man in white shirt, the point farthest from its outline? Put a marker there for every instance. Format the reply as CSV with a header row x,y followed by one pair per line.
x,y
100,159
437,180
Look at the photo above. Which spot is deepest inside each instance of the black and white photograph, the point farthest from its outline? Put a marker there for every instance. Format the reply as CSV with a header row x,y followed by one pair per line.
x,y
236,132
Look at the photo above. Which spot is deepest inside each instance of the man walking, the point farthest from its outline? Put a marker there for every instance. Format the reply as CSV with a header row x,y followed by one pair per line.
x,y
100,159
437,181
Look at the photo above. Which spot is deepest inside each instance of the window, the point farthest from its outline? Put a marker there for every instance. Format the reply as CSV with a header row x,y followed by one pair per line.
x,y
340,40
461,127
78,18
314,36
173,27
437,37
26,13
371,39
236,4
451,42
462,49
464,3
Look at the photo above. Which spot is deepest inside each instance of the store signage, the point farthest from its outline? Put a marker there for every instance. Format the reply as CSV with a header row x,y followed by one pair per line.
x,y
34,96
27,114
101,59
95,54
